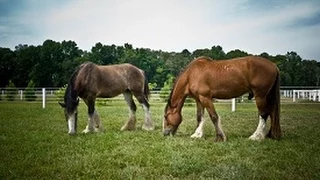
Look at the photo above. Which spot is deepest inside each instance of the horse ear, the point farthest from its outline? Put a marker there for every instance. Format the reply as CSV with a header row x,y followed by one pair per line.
x,y
62,104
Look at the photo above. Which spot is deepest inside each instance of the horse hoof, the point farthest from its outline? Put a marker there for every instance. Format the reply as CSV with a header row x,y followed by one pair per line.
x,y
256,137
127,128
220,139
148,128
86,131
72,133
196,135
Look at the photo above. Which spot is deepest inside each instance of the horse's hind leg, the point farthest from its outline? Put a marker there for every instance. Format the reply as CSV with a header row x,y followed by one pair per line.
x,y
261,130
200,120
148,123
131,123
98,124
208,104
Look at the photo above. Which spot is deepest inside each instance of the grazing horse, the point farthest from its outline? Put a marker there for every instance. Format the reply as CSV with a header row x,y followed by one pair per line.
x,y
204,79
90,81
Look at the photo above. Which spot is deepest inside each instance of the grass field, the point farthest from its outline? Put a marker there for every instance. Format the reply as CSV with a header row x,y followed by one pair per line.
x,y
34,144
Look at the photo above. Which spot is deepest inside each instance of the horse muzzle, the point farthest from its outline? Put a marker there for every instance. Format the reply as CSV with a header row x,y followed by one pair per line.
x,y
170,131
167,132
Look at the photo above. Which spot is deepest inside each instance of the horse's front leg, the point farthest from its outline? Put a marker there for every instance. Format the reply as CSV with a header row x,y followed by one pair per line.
x,y
200,120
208,104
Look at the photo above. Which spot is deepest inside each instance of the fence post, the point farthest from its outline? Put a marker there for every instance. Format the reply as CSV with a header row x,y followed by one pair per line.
x,y
43,98
294,95
233,106
21,94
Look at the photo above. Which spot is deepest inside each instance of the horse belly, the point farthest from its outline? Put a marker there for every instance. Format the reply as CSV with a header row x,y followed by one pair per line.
x,y
108,94
227,92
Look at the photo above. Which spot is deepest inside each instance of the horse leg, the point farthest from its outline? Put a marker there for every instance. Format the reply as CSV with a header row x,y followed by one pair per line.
x,y
131,123
200,120
148,123
91,110
98,125
208,104
261,130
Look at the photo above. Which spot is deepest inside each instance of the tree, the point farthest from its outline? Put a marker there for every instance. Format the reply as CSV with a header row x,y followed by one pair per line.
x,y
265,55
201,52
293,68
165,90
186,53
72,57
30,93
310,73
102,54
217,53
7,66
11,91
26,58
236,53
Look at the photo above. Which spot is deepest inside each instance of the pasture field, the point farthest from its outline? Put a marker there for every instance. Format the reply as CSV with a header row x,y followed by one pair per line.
x,y
34,144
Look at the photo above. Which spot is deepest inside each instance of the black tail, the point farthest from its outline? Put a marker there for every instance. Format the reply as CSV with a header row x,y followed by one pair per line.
x,y
274,100
146,89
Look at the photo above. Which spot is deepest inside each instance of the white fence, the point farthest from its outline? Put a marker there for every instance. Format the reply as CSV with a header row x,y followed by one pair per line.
x,y
302,94
47,95
312,95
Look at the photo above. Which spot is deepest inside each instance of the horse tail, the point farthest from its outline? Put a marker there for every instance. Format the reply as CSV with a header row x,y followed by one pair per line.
x,y
146,89
274,99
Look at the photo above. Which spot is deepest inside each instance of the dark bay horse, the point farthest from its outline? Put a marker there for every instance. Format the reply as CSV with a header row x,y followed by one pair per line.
x,y
204,79
90,81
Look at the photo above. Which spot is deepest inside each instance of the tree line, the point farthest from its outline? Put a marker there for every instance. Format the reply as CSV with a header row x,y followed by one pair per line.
x,y
52,63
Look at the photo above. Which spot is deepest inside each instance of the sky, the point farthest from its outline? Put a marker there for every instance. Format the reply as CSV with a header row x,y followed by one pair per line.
x,y
254,26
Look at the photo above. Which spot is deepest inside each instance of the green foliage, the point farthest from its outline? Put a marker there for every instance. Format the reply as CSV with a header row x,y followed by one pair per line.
x,y
236,53
166,89
60,93
11,91
30,93
152,86
52,63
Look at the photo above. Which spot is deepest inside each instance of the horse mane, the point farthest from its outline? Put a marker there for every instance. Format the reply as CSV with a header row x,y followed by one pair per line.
x,y
179,75
71,95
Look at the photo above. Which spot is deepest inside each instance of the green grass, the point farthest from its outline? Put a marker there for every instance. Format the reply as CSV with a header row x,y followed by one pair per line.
x,y
34,144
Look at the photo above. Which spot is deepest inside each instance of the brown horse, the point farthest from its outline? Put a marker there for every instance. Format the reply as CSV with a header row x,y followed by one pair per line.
x,y
204,79
90,81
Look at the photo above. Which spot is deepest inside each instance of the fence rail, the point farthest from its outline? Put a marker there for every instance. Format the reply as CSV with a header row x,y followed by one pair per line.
x,y
49,95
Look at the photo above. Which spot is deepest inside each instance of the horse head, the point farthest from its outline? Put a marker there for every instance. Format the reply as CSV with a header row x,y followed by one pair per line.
x,y
171,122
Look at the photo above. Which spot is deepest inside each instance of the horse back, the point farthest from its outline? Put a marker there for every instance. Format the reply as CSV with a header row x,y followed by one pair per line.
x,y
229,78
108,80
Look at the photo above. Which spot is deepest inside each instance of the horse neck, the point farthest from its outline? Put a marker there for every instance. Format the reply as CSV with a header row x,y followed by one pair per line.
x,y
178,95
